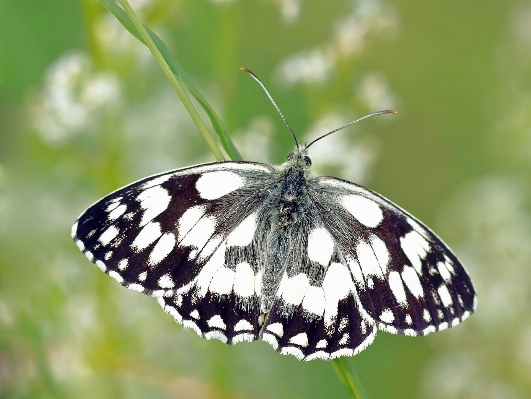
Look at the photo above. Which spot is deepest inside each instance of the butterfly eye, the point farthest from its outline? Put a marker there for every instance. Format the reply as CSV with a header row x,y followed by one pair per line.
x,y
308,161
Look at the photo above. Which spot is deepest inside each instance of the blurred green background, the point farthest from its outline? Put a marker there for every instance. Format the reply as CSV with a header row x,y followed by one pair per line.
x,y
84,109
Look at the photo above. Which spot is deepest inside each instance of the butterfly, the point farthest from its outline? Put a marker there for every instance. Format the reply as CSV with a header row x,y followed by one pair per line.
x,y
313,265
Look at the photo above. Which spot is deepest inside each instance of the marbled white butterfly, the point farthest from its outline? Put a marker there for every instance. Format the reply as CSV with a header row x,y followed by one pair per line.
x,y
312,265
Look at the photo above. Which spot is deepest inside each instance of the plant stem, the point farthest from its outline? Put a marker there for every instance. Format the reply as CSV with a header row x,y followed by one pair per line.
x,y
179,89
349,378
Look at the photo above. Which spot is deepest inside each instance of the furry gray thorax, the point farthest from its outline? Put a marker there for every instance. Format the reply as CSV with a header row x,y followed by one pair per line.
x,y
289,223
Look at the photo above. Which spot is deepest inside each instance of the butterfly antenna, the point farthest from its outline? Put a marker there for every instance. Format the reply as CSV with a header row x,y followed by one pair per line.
x,y
387,111
273,101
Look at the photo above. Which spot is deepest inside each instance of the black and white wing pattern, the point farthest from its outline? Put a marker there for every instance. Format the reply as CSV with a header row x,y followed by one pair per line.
x,y
406,279
372,266
185,237
312,265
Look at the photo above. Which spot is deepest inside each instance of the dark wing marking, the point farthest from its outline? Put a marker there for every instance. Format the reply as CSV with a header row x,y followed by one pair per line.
x,y
308,336
407,279
318,317
156,235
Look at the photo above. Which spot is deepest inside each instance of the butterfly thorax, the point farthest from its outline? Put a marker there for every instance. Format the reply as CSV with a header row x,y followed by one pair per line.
x,y
289,224
293,197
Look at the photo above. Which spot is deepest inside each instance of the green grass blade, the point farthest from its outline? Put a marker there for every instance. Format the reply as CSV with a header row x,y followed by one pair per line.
x,y
349,378
124,19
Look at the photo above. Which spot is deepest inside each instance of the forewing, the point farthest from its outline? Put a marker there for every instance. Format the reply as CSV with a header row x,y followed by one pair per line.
x,y
181,236
407,279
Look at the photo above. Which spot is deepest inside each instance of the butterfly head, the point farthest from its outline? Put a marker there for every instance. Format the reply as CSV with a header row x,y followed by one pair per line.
x,y
299,157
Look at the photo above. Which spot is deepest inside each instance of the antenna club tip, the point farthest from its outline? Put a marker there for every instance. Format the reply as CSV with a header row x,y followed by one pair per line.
x,y
245,70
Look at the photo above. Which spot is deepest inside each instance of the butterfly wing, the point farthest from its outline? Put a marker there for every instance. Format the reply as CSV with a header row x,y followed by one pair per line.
x,y
320,319
406,278
186,237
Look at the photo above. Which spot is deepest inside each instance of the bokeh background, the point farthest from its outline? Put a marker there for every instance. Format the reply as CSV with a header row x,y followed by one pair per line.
x,y
84,109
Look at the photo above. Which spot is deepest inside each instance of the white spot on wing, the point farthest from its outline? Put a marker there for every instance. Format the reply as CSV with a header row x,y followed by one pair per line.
x,y
442,326
397,288
189,220
368,261
291,350
80,245
216,335
213,185
444,272
293,289
243,337
243,325
116,276
387,316
210,247
163,247
122,265
216,322
322,344
243,234
344,339
74,230
100,264
320,246
426,315
337,285
416,248
199,235
166,281
314,300
149,233
207,272
136,287
271,340
142,276
108,235
346,351
363,209
117,212
191,324
113,204
428,330
222,281
276,328
154,201
381,252
342,324
195,314
446,298
411,278
244,280
355,269
449,264
299,339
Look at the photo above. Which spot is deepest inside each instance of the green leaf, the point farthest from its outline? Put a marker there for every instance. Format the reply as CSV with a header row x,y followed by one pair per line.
x,y
122,17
